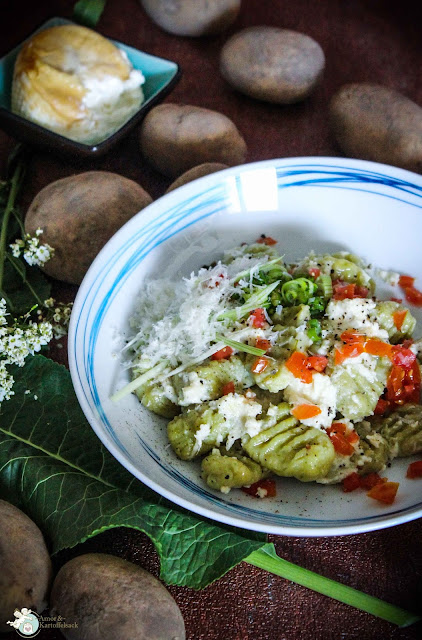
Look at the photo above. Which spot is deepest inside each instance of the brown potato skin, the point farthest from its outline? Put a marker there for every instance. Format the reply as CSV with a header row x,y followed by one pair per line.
x,y
376,123
272,64
25,565
192,17
175,138
110,598
79,214
196,172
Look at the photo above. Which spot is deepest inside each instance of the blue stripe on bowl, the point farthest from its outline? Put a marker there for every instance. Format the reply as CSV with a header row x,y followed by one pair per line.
x,y
164,226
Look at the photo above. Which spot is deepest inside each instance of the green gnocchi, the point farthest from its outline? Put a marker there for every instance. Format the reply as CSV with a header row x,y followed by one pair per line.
x,y
266,369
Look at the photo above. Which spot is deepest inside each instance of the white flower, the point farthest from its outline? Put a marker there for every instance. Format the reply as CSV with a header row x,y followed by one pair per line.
x,y
32,250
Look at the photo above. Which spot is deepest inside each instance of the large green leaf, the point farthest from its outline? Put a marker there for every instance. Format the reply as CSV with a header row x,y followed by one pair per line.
x,y
53,466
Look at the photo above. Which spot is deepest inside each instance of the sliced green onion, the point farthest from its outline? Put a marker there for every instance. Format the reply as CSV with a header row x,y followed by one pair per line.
x,y
140,380
317,305
88,12
325,285
314,330
240,346
264,266
268,560
298,291
257,300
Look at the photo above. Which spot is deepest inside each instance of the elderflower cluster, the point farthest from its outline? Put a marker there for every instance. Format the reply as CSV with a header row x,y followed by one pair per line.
x,y
58,314
17,341
32,250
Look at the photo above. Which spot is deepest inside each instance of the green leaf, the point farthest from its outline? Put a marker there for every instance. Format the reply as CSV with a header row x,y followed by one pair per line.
x,y
88,12
54,468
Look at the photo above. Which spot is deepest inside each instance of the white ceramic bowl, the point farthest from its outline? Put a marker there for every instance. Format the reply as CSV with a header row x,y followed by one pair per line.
x,y
324,204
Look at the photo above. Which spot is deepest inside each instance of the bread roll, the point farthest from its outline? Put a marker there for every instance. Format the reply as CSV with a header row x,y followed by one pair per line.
x,y
75,82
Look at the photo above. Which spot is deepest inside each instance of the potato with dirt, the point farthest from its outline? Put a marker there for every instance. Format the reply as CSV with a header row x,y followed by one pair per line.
x,y
272,64
192,17
25,565
109,598
373,122
200,171
78,215
176,137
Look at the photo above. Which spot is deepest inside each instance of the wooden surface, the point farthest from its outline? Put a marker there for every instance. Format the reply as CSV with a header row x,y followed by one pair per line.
x,y
372,40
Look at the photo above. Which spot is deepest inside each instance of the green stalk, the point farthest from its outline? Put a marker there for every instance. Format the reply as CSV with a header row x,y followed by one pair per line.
x,y
270,561
32,290
14,187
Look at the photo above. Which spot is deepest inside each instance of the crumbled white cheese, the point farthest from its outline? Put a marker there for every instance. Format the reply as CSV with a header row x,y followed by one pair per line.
x,y
196,389
354,314
320,392
240,413
390,277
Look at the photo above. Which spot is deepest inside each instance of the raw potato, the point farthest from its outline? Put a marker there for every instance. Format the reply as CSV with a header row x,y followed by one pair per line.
x,y
175,138
373,122
272,64
197,172
109,599
25,565
192,17
79,214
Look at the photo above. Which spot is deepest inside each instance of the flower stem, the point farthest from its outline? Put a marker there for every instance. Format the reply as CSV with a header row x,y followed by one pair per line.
x,y
14,187
270,561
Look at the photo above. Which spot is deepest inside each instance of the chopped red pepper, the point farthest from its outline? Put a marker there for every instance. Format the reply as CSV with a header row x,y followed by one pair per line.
x,y
382,407
403,357
399,300
414,470
406,281
351,337
222,354
260,364
404,385
257,318
398,318
414,296
266,484
305,411
266,240
262,343
341,438
385,492
298,365
348,351
228,388
378,348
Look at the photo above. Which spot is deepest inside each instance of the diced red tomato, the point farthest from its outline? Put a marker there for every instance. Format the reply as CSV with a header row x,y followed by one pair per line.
x,y
257,318
351,482
371,480
228,388
414,296
404,385
266,484
318,363
382,407
262,343
314,272
406,281
343,290
260,364
305,411
398,318
399,300
297,364
222,354
340,438
403,357
266,240
385,492
414,470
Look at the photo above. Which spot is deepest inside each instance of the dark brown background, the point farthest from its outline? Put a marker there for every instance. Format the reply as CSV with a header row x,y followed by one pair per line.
x,y
373,40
